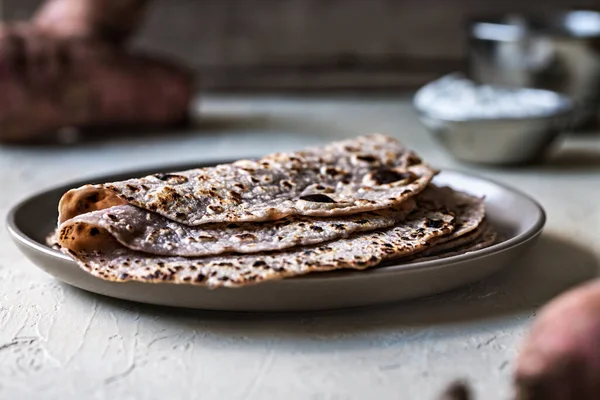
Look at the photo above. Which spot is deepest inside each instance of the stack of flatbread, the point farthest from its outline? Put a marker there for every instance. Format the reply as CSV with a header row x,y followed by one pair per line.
x,y
352,204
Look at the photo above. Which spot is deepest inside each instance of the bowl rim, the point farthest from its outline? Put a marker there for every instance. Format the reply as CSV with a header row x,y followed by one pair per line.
x,y
552,25
562,113
567,104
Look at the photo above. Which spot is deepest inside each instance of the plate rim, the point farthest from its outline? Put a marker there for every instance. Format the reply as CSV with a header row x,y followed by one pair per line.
x,y
529,234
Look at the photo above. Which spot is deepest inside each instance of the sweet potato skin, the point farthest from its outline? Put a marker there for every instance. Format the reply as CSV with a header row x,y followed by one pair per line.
x,y
48,83
561,356
113,21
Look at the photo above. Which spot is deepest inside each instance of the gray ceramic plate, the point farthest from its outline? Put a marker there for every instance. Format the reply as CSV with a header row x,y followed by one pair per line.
x,y
516,216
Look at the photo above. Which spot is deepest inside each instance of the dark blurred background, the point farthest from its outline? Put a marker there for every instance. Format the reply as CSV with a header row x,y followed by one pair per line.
x,y
324,44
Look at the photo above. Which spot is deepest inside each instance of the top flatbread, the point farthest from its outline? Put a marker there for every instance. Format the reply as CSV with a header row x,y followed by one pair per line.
x,y
367,173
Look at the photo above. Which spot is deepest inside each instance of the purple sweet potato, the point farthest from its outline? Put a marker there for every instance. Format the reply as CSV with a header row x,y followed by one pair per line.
x,y
47,84
107,20
561,356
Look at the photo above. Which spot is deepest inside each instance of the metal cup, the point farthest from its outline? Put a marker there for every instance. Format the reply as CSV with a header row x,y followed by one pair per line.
x,y
559,52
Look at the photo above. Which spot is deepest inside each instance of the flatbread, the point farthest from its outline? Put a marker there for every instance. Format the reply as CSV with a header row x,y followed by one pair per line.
x,y
359,252
470,219
470,210
488,238
432,220
368,173
140,230
444,245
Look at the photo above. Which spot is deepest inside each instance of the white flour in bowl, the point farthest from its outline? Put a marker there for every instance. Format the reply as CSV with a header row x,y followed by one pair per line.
x,y
454,97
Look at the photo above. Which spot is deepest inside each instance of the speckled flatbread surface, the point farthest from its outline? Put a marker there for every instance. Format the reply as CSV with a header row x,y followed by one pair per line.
x,y
353,204
368,173
143,231
486,238
360,251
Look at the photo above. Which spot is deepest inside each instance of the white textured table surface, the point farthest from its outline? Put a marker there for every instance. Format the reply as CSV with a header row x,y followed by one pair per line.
x,y
57,342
